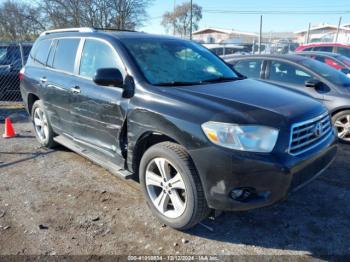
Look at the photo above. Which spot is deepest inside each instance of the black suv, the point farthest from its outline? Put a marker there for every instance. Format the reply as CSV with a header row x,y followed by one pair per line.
x,y
198,136
12,57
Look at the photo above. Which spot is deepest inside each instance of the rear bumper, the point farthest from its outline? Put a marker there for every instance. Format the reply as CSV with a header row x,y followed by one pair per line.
x,y
271,176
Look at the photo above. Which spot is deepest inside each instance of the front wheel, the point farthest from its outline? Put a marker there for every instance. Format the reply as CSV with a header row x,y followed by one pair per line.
x,y
341,122
172,187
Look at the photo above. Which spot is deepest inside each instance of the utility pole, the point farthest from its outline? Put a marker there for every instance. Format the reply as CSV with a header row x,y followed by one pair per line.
x,y
336,36
174,30
191,17
260,34
308,34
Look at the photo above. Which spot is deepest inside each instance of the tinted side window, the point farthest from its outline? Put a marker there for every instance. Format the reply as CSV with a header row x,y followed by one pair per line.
x,y
52,53
65,54
218,51
96,55
230,50
344,51
288,73
307,49
26,51
249,68
323,48
318,58
41,51
9,55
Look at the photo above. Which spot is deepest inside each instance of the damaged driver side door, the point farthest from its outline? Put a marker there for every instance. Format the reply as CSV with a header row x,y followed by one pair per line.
x,y
98,111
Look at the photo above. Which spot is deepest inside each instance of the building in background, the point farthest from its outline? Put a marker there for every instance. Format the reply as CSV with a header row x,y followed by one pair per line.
x,y
324,33
216,35
275,37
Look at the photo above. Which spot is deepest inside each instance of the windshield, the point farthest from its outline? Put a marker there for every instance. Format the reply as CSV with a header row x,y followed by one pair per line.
x,y
172,62
332,75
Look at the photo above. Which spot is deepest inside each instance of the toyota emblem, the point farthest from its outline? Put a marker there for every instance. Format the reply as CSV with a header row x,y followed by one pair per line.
x,y
318,129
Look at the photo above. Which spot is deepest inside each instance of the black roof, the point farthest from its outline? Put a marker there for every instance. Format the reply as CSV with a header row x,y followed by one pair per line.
x,y
120,34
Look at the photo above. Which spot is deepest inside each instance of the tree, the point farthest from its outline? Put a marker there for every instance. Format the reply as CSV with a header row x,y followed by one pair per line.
x,y
19,21
119,14
180,18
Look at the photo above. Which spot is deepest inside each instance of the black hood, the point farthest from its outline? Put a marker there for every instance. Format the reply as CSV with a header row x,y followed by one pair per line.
x,y
251,97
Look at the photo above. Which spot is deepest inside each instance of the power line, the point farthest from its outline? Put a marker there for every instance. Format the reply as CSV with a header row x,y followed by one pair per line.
x,y
275,12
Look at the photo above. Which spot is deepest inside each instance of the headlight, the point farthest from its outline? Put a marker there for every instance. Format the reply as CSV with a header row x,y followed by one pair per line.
x,y
241,137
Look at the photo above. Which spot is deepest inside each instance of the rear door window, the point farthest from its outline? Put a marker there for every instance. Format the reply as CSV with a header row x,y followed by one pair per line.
x,y
65,54
288,73
249,68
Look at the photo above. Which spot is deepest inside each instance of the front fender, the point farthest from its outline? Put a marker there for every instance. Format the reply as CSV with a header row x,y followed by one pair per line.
x,y
141,121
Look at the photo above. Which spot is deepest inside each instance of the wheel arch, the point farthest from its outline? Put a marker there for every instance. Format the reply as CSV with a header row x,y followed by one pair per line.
x,y
31,98
338,110
145,141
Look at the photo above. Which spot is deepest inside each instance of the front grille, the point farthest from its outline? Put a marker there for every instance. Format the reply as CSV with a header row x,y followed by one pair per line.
x,y
308,134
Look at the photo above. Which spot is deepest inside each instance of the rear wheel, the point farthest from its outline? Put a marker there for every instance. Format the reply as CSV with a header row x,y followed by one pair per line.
x,y
341,121
42,127
172,187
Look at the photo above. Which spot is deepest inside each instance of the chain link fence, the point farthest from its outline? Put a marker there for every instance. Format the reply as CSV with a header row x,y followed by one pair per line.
x,y
13,55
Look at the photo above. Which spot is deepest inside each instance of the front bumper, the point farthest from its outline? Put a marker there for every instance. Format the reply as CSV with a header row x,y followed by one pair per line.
x,y
272,176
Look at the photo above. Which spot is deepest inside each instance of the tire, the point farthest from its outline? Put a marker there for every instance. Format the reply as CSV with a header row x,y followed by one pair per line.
x,y
44,134
341,121
175,160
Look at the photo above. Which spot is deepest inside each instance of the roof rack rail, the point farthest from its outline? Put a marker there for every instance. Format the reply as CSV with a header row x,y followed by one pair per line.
x,y
113,29
77,29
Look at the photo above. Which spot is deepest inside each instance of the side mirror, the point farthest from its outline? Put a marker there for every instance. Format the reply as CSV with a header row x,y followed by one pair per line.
x,y
108,77
313,83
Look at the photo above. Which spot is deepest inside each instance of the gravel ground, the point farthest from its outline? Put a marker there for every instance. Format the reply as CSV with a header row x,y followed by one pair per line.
x,y
57,202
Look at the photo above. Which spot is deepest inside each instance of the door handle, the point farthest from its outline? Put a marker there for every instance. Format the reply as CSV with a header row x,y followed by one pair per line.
x,y
75,90
43,79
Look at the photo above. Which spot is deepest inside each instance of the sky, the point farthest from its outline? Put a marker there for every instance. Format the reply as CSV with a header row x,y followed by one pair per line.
x,y
330,11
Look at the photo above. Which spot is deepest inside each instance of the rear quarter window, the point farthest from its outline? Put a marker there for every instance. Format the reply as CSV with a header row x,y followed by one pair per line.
x,y
41,51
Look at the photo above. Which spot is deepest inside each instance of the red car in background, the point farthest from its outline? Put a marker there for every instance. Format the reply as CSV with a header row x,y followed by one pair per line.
x,y
337,61
343,49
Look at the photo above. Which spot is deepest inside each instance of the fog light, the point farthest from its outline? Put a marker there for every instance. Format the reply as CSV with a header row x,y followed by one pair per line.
x,y
241,194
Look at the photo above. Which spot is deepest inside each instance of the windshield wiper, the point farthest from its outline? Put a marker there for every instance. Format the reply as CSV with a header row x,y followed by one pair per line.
x,y
221,79
178,83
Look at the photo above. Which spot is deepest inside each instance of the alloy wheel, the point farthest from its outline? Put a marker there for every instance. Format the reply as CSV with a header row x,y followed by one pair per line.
x,y
343,127
166,187
41,124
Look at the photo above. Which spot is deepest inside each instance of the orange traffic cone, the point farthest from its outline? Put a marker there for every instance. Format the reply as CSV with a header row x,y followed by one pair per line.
x,y
9,131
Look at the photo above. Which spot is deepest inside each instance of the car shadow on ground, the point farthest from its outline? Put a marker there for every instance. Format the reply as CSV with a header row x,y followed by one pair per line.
x,y
314,219
29,156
